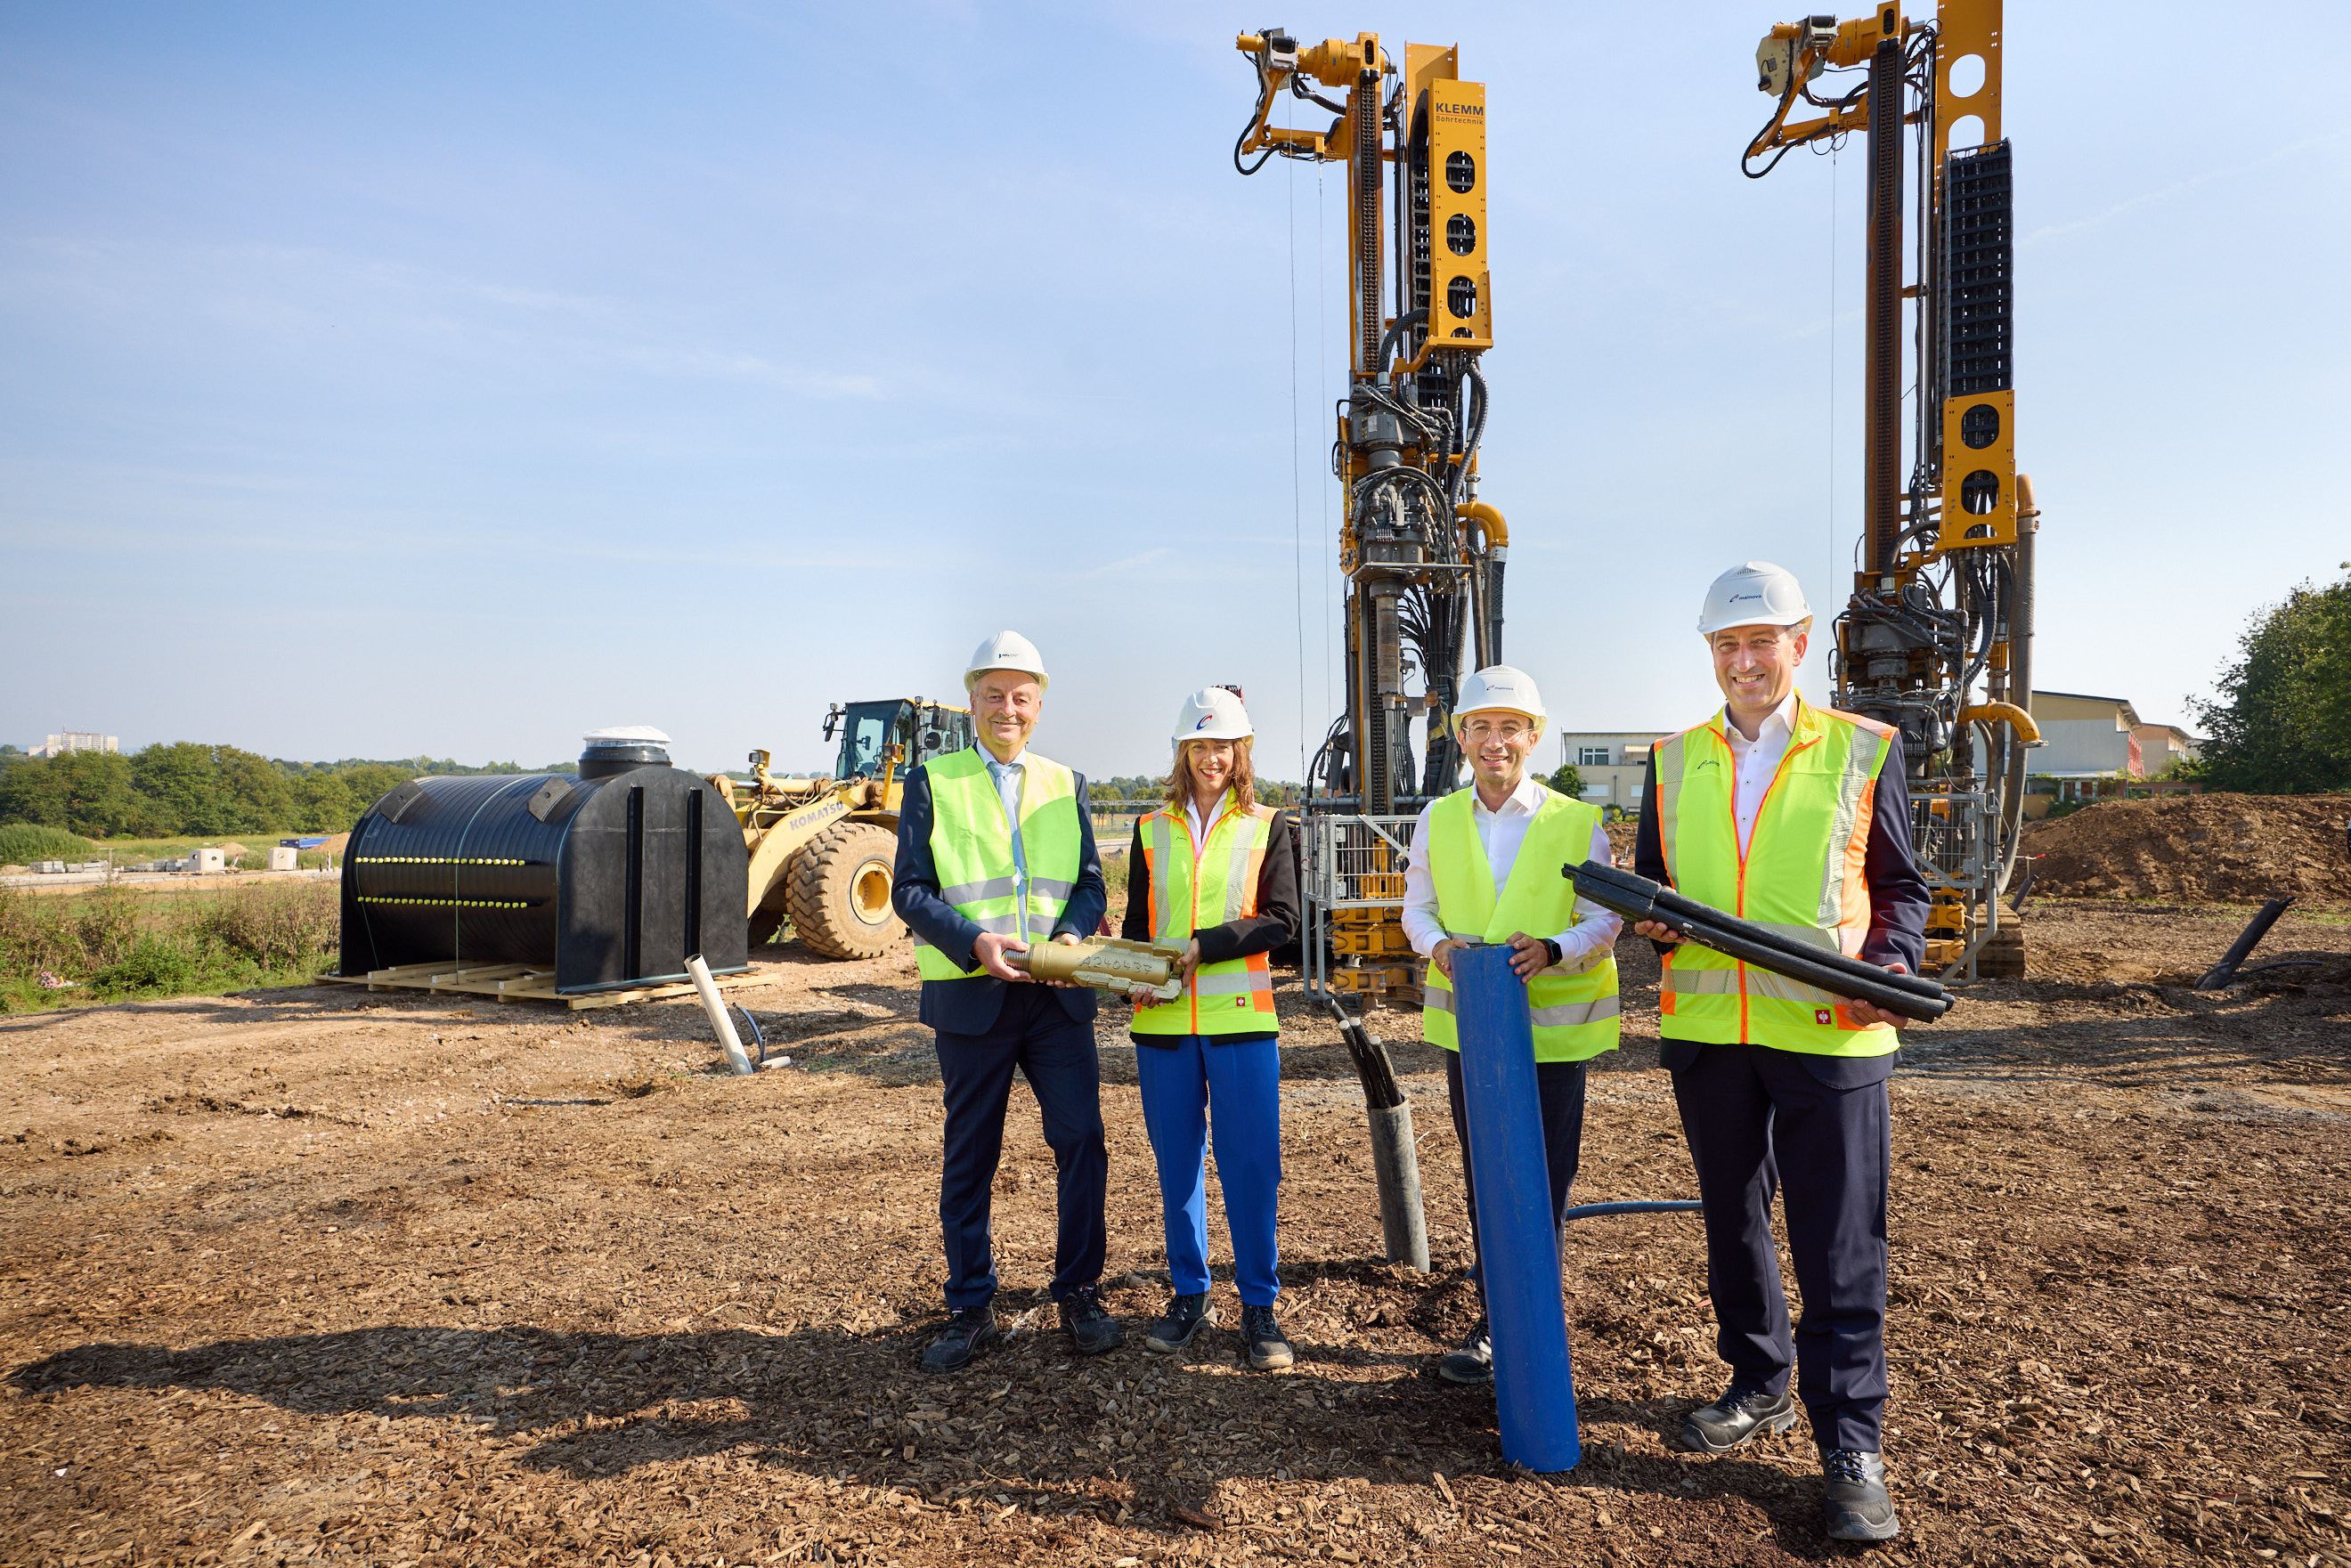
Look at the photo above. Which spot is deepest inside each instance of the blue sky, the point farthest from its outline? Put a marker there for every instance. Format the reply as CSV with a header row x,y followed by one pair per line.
x,y
453,379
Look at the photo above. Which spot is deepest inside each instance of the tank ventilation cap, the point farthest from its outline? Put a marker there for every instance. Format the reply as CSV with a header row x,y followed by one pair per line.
x,y
621,748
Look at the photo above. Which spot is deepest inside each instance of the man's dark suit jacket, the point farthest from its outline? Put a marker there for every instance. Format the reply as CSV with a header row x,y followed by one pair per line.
x,y
969,1007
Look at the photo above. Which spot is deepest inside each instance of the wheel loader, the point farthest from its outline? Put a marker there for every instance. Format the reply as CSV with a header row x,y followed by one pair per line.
x,y
821,848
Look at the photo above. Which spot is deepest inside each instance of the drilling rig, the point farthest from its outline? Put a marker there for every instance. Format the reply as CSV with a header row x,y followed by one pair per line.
x,y
1421,556
1942,593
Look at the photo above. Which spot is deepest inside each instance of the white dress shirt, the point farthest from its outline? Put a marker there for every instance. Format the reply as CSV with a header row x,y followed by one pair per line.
x,y
1757,761
1009,777
1502,832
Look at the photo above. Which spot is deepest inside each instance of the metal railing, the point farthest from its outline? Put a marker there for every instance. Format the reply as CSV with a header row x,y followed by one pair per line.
x,y
1351,861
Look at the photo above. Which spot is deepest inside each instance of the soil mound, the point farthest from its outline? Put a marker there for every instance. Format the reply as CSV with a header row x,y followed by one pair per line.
x,y
2198,848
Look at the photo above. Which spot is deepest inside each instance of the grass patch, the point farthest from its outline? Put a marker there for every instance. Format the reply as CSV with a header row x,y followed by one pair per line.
x,y
118,945
22,844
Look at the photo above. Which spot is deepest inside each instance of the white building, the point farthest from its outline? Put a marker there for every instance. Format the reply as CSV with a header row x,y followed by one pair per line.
x,y
77,740
1613,763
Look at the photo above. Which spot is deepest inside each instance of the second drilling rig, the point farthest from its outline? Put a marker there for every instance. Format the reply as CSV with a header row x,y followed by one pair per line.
x,y
1942,593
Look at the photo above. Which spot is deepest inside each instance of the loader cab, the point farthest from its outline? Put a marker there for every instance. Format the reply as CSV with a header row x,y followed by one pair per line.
x,y
921,730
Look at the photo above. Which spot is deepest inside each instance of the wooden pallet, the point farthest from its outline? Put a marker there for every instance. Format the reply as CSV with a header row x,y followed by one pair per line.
x,y
518,983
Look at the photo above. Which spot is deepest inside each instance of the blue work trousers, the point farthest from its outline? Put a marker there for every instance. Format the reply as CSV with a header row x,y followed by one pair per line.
x,y
1235,1088
1056,1053
1761,1121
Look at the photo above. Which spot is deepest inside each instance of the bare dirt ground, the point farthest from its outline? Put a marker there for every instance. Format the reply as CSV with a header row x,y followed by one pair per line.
x,y
314,1275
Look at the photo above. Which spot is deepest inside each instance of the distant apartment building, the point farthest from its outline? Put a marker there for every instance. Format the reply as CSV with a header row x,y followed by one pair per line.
x,y
77,740
2094,737
1612,763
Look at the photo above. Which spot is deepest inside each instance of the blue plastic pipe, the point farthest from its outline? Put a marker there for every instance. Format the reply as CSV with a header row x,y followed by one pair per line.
x,y
1534,1387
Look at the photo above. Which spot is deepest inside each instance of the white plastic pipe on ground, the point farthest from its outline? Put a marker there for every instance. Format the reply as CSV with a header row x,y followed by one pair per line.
x,y
720,1018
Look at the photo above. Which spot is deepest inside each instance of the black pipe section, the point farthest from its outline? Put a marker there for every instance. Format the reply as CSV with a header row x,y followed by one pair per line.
x,y
1395,1157
1638,898
2218,976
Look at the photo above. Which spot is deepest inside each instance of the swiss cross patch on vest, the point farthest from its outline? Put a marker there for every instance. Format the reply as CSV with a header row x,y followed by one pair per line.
x,y
1823,1015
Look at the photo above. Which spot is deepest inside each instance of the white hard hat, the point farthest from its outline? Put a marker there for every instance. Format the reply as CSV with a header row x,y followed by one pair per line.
x,y
1500,686
1006,651
1753,593
1212,713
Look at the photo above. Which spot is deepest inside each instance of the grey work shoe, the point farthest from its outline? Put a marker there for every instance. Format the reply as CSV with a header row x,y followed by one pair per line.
x,y
1092,1328
1473,1360
969,1331
1177,1325
1269,1347
1854,1499
1738,1414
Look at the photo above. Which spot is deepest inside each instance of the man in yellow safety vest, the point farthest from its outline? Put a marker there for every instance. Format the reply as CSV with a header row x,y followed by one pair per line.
x,y
995,851
1486,869
1797,818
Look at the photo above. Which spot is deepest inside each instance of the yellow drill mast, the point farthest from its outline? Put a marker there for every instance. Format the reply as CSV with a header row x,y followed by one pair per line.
x,y
1422,556
1942,598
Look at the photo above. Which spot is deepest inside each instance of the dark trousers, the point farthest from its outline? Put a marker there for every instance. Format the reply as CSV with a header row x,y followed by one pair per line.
x,y
1056,1053
1760,1121
1559,1086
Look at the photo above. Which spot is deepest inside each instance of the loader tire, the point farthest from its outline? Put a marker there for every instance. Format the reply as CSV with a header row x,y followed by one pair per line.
x,y
837,890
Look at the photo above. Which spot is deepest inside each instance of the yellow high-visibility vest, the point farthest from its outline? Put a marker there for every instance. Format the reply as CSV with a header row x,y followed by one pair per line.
x,y
971,848
1801,874
1574,1004
1212,886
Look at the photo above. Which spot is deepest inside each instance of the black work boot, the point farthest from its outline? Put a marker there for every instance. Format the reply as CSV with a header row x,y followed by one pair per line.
x,y
1473,1360
969,1331
1741,1412
1178,1323
1269,1347
1092,1329
1856,1500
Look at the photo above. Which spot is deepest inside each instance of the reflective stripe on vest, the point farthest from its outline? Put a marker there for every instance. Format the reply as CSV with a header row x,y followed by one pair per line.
x,y
1801,875
1573,1005
971,849
1192,887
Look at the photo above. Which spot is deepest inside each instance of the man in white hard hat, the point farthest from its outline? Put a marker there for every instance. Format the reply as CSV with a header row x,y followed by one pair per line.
x,y
1486,869
995,851
1800,817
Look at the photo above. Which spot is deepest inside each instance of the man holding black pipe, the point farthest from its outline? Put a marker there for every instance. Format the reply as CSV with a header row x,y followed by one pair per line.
x,y
1797,818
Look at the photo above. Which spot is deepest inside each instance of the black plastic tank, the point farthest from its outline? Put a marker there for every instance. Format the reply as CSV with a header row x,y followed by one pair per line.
x,y
611,877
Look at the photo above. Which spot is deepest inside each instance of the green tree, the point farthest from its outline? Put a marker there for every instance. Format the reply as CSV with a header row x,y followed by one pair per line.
x,y
250,794
323,803
175,780
369,782
30,792
1567,781
2282,725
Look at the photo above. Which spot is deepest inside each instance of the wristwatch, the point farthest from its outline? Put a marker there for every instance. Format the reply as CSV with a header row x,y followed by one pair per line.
x,y
1557,956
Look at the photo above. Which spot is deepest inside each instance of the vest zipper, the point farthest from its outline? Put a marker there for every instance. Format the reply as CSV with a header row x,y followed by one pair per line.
x,y
1742,845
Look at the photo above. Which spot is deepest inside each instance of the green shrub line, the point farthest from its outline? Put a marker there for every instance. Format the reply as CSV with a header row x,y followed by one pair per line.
x,y
118,945
22,844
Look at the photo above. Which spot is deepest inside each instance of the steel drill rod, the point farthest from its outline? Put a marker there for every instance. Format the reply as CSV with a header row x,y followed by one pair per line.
x,y
1638,898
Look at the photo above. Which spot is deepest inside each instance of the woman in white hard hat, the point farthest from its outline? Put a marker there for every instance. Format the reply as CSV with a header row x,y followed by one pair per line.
x,y
1216,872
1484,870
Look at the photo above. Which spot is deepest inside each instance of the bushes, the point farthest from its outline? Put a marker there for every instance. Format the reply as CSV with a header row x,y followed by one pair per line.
x,y
22,844
121,945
